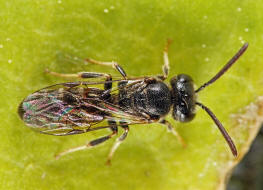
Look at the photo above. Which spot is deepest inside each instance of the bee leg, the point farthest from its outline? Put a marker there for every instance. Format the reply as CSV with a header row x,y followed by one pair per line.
x,y
107,85
174,132
81,75
165,66
90,144
112,64
118,142
85,75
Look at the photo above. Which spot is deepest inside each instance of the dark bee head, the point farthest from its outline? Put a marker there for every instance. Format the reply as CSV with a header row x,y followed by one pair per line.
x,y
183,97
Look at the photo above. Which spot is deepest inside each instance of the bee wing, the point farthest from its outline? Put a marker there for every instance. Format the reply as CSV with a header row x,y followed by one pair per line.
x,y
73,108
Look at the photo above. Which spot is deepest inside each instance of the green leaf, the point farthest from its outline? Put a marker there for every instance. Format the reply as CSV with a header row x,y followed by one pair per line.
x,y
205,34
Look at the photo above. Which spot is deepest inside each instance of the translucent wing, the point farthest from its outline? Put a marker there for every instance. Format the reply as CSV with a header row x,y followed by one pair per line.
x,y
76,107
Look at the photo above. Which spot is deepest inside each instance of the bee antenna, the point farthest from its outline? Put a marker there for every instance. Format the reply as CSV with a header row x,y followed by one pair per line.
x,y
221,128
225,68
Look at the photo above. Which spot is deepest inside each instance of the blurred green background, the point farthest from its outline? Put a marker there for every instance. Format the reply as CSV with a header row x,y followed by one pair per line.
x,y
205,35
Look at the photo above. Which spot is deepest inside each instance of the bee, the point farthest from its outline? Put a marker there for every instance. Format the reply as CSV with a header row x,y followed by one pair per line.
x,y
78,107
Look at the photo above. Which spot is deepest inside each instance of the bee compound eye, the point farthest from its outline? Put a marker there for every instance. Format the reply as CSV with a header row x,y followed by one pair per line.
x,y
181,113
